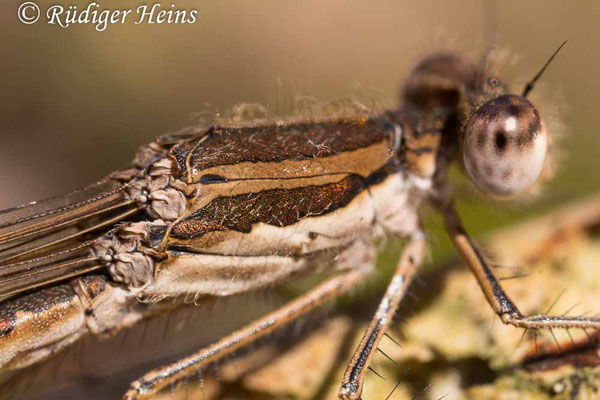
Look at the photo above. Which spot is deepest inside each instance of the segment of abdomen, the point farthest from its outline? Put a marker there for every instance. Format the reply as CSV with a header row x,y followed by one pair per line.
x,y
37,325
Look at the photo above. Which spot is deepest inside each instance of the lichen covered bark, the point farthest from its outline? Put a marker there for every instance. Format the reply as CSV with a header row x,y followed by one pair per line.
x,y
447,341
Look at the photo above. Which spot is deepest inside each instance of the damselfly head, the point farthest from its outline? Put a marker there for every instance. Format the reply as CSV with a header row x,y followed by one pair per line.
x,y
504,146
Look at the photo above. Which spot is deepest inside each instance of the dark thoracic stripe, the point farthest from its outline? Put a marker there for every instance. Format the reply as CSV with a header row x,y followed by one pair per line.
x,y
278,207
273,143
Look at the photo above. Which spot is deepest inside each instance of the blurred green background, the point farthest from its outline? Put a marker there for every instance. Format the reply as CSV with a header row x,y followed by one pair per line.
x,y
76,103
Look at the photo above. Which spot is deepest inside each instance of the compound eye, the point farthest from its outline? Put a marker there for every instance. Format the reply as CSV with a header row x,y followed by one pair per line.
x,y
505,146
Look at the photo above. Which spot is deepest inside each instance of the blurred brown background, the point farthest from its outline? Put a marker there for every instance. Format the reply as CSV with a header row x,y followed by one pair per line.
x,y
75,103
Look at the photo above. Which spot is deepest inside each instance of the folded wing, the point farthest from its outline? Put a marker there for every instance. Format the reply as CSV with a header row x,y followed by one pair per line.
x,y
49,240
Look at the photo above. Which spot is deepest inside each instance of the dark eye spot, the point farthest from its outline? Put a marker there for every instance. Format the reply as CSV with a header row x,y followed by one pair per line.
x,y
500,142
312,235
488,170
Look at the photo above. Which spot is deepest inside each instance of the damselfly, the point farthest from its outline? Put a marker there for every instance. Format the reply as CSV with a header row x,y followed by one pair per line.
x,y
231,209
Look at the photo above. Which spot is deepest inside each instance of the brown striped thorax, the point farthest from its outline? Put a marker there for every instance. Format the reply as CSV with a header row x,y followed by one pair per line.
x,y
234,208
232,191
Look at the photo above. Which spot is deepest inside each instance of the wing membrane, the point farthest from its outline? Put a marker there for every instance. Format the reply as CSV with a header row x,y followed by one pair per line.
x,y
49,240
36,272
57,203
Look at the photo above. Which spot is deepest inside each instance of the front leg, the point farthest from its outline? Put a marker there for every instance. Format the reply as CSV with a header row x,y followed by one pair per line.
x,y
410,259
494,293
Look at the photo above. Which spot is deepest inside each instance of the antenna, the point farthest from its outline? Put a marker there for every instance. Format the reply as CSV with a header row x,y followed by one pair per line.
x,y
529,85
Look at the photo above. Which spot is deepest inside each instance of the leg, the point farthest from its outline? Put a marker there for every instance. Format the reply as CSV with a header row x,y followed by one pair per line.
x,y
411,257
495,295
157,379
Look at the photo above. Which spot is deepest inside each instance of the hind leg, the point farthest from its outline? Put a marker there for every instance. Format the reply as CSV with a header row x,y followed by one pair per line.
x,y
410,259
